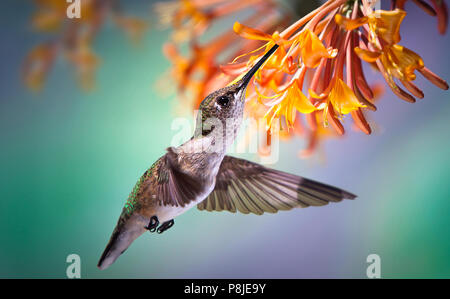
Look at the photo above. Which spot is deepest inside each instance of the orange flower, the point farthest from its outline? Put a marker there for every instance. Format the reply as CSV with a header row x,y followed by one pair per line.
x,y
275,61
287,103
47,13
86,63
312,49
36,66
310,46
251,33
188,12
325,50
47,20
73,38
288,98
340,96
382,49
383,24
191,18
398,61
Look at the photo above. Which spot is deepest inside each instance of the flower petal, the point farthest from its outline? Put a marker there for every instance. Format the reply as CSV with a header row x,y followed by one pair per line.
x,y
250,33
401,62
312,49
349,24
342,97
367,55
386,24
314,95
47,21
300,101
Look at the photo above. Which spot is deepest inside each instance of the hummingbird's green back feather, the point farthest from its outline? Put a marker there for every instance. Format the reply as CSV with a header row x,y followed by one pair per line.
x,y
132,202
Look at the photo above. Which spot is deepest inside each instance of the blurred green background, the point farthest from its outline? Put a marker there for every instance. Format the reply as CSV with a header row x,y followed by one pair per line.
x,y
69,160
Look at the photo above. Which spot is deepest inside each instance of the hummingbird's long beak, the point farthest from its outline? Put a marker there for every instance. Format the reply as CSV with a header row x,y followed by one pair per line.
x,y
252,71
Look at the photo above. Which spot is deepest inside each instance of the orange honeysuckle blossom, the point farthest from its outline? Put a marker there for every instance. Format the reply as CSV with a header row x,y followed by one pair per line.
x,y
329,45
309,49
85,62
297,55
399,61
382,24
37,65
199,71
380,46
191,18
307,43
73,38
49,16
316,76
312,49
288,102
340,96
186,17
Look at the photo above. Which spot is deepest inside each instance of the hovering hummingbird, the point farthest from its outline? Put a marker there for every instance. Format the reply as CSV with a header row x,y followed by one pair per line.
x,y
199,173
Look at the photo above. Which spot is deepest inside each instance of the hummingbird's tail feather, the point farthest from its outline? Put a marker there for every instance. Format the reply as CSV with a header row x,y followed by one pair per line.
x,y
123,235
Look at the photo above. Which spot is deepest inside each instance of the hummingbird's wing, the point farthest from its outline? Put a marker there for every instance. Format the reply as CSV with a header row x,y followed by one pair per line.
x,y
252,188
173,187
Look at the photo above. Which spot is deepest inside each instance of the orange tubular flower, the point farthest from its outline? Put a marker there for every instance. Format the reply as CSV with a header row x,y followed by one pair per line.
x,y
312,49
191,18
335,37
50,15
36,65
288,102
200,72
73,38
380,46
340,96
398,61
85,62
289,98
383,24
323,53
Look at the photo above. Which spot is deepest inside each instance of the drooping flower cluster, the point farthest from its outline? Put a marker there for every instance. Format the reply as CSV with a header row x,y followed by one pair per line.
x,y
198,72
73,38
317,70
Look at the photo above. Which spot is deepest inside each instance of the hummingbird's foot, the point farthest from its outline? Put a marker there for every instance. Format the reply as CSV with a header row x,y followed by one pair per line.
x,y
165,226
154,222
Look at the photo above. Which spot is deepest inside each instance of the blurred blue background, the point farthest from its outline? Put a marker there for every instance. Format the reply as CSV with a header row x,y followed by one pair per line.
x,y
69,160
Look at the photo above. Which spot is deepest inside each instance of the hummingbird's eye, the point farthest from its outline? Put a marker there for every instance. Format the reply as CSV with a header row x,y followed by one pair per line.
x,y
223,101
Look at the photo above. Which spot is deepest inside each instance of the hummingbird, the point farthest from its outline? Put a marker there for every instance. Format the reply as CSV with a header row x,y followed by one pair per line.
x,y
199,172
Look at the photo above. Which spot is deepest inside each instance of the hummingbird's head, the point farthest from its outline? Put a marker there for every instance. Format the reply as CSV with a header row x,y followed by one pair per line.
x,y
225,107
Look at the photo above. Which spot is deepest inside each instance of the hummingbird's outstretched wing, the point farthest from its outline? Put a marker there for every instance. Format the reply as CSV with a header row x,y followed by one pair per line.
x,y
252,188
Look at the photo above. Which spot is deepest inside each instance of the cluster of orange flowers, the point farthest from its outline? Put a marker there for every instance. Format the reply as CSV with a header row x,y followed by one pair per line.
x,y
198,71
317,71
308,86
73,38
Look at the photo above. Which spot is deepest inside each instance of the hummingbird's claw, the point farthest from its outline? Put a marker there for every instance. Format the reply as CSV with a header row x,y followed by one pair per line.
x,y
165,226
152,224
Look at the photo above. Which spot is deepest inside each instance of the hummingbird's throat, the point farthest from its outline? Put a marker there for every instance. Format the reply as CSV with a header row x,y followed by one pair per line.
x,y
214,135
